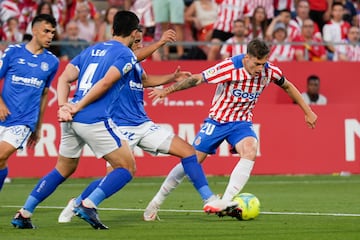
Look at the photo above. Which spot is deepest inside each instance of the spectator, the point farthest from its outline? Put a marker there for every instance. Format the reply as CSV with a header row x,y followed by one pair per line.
x,y
105,29
237,44
336,29
285,18
12,33
144,10
312,95
170,13
228,12
267,4
202,15
312,48
258,24
302,12
74,45
349,11
72,7
8,9
44,8
285,4
87,26
281,50
320,11
350,50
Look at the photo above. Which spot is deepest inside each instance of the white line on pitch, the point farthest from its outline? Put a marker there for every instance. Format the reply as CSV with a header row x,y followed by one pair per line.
x,y
201,211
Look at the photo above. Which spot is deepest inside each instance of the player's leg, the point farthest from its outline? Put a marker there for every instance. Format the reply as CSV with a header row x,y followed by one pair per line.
x,y
70,145
117,152
11,139
245,143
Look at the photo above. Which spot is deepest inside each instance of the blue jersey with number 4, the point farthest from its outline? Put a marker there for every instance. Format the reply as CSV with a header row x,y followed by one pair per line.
x,y
93,64
25,75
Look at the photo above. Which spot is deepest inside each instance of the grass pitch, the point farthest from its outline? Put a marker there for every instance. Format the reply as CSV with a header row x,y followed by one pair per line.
x,y
292,207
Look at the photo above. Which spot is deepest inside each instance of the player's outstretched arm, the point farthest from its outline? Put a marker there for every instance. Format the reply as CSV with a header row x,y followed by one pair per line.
x,y
168,36
157,80
293,92
192,81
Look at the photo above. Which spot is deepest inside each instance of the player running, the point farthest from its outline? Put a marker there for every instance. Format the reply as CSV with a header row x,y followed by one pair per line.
x,y
240,81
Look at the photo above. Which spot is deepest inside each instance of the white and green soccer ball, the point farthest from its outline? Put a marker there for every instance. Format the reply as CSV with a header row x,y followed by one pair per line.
x,y
249,204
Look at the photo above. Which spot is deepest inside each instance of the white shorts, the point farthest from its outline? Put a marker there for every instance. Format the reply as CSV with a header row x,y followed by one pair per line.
x,y
15,135
150,137
101,137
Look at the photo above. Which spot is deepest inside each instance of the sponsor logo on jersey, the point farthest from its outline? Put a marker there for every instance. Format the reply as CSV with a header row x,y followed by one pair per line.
x,y
240,94
135,86
27,81
32,64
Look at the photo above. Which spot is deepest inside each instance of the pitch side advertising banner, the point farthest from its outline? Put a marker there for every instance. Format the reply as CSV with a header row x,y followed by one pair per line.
x,y
287,145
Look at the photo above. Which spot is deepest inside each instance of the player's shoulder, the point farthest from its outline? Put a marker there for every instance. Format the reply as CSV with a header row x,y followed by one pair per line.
x,y
14,48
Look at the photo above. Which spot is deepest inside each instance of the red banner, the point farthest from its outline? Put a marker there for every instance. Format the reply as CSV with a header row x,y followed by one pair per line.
x,y
287,146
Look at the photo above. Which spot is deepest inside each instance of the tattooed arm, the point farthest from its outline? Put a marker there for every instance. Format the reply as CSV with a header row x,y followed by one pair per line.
x,y
192,81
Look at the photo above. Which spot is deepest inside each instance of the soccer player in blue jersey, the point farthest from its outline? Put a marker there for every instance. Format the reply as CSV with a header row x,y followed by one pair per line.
x,y
129,114
27,70
92,125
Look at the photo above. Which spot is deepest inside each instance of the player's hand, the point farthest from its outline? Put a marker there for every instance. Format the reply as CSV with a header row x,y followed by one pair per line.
x,y
33,139
157,94
310,119
64,113
4,111
168,36
181,75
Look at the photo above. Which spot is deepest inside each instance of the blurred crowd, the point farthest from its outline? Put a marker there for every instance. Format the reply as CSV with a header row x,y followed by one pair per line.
x,y
297,30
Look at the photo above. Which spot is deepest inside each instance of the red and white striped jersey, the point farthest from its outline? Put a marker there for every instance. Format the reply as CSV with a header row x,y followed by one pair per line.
x,y
237,91
351,51
228,12
281,52
232,48
267,4
335,31
284,4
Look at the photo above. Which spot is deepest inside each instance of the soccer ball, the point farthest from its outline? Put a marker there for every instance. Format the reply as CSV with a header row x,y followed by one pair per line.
x,y
249,204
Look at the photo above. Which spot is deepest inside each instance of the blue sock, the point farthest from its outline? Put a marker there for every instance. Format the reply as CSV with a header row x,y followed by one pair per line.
x,y
110,184
43,189
92,186
196,175
3,174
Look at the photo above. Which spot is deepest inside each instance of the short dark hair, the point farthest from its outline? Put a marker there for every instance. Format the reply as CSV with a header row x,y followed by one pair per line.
x,y
258,48
44,18
313,78
124,23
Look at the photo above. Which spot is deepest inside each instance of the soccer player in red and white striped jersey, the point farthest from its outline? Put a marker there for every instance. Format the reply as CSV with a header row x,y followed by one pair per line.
x,y
240,81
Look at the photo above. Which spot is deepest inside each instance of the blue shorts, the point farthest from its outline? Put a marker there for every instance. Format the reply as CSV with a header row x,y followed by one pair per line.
x,y
213,133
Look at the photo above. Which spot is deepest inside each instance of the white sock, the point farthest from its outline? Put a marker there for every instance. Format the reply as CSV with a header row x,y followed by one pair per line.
x,y
88,203
238,178
173,179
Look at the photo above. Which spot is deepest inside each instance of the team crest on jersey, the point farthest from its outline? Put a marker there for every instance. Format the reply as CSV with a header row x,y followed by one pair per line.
x,y
44,66
127,68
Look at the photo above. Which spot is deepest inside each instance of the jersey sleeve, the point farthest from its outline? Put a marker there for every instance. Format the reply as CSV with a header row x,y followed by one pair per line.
x,y
221,72
276,75
5,60
125,62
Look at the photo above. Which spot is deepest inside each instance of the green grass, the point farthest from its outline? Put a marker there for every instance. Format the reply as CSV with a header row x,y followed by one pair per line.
x,y
293,207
